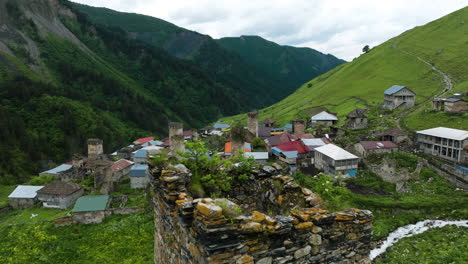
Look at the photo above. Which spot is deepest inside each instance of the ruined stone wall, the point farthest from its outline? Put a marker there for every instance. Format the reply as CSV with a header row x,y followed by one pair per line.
x,y
213,231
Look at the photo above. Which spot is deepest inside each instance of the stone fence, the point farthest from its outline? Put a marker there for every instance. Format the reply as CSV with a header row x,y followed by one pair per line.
x,y
209,230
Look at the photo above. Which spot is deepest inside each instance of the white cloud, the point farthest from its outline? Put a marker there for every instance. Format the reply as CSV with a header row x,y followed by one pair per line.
x,y
339,27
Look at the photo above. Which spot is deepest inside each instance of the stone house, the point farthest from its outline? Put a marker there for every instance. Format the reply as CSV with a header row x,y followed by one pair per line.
x,y
365,148
273,141
393,134
59,194
323,118
398,97
357,119
269,122
91,209
454,104
139,176
334,160
121,168
447,143
24,196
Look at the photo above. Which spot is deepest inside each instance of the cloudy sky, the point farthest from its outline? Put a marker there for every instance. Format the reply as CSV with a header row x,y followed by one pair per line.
x,y
339,27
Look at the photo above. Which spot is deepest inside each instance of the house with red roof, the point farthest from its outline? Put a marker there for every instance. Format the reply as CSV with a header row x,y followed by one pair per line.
x,y
275,140
121,168
290,152
141,141
365,148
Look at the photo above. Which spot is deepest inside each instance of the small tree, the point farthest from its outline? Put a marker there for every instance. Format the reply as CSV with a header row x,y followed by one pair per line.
x,y
366,49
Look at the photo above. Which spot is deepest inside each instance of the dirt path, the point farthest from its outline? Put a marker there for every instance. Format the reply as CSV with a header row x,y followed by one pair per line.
x,y
447,81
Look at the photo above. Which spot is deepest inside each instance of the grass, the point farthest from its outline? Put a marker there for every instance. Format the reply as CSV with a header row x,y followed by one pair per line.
x,y
23,216
5,190
119,239
393,62
439,245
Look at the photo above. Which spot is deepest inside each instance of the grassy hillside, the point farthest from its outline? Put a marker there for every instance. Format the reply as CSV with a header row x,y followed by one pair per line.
x,y
362,81
294,65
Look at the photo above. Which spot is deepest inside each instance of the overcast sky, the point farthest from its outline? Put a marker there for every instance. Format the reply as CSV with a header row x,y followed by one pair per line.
x,y
339,27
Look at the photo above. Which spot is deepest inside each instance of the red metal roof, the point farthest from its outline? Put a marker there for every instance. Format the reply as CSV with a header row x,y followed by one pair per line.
x,y
143,140
121,164
293,146
188,133
378,144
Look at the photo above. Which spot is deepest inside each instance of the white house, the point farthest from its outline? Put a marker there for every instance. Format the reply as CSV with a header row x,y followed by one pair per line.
x,y
443,142
259,157
323,118
398,97
335,161
24,196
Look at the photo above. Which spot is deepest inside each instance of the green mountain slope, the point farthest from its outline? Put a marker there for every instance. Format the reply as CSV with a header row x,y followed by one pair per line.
x,y
262,80
64,79
404,60
292,65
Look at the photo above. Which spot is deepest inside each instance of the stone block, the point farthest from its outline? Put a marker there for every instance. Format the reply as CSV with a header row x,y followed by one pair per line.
x,y
302,252
315,239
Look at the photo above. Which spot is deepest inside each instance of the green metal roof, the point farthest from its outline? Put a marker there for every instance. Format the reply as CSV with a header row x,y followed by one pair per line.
x,y
91,203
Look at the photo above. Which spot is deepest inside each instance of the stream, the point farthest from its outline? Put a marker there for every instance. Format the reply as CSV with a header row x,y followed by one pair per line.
x,y
410,230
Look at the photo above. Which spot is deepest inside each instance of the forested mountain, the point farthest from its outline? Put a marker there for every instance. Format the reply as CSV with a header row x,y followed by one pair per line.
x,y
263,71
431,60
292,65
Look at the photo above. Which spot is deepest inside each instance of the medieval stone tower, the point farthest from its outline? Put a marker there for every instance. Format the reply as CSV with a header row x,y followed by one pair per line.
x,y
176,136
298,127
95,148
252,123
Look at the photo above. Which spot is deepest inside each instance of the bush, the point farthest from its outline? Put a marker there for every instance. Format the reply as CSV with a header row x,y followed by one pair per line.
x,y
42,179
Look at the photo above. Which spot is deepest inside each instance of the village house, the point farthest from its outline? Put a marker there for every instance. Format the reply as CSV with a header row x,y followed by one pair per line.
x,y
139,176
259,157
24,196
313,143
287,128
228,148
153,143
398,97
393,134
334,160
91,209
59,194
443,142
290,152
454,104
269,122
275,140
121,168
357,119
364,148
140,156
57,170
264,132
221,126
323,118
142,141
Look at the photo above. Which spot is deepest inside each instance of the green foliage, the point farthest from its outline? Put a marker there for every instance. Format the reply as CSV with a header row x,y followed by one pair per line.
x,y
5,190
258,144
366,49
42,179
404,160
119,239
439,245
373,181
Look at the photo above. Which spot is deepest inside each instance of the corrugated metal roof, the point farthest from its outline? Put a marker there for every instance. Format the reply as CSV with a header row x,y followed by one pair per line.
x,y
377,144
138,170
452,100
60,188
293,146
58,169
445,132
257,155
393,89
121,164
143,140
323,116
313,142
91,203
25,191
290,154
335,152
221,126
141,153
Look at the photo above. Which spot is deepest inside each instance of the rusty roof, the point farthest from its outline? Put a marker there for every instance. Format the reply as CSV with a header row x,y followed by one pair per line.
x,y
60,188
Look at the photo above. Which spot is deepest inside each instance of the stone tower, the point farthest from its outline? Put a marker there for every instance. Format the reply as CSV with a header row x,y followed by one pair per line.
x,y
95,148
298,127
252,123
176,137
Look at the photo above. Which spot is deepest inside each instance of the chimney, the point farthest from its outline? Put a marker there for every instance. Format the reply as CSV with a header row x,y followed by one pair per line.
x,y
252,123
298,127
94,148
176,137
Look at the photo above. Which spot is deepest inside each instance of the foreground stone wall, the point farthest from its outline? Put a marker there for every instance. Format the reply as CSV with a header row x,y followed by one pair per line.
x,y
218,231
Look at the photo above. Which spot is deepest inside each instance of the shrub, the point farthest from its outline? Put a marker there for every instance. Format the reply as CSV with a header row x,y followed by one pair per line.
x,y
42,179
